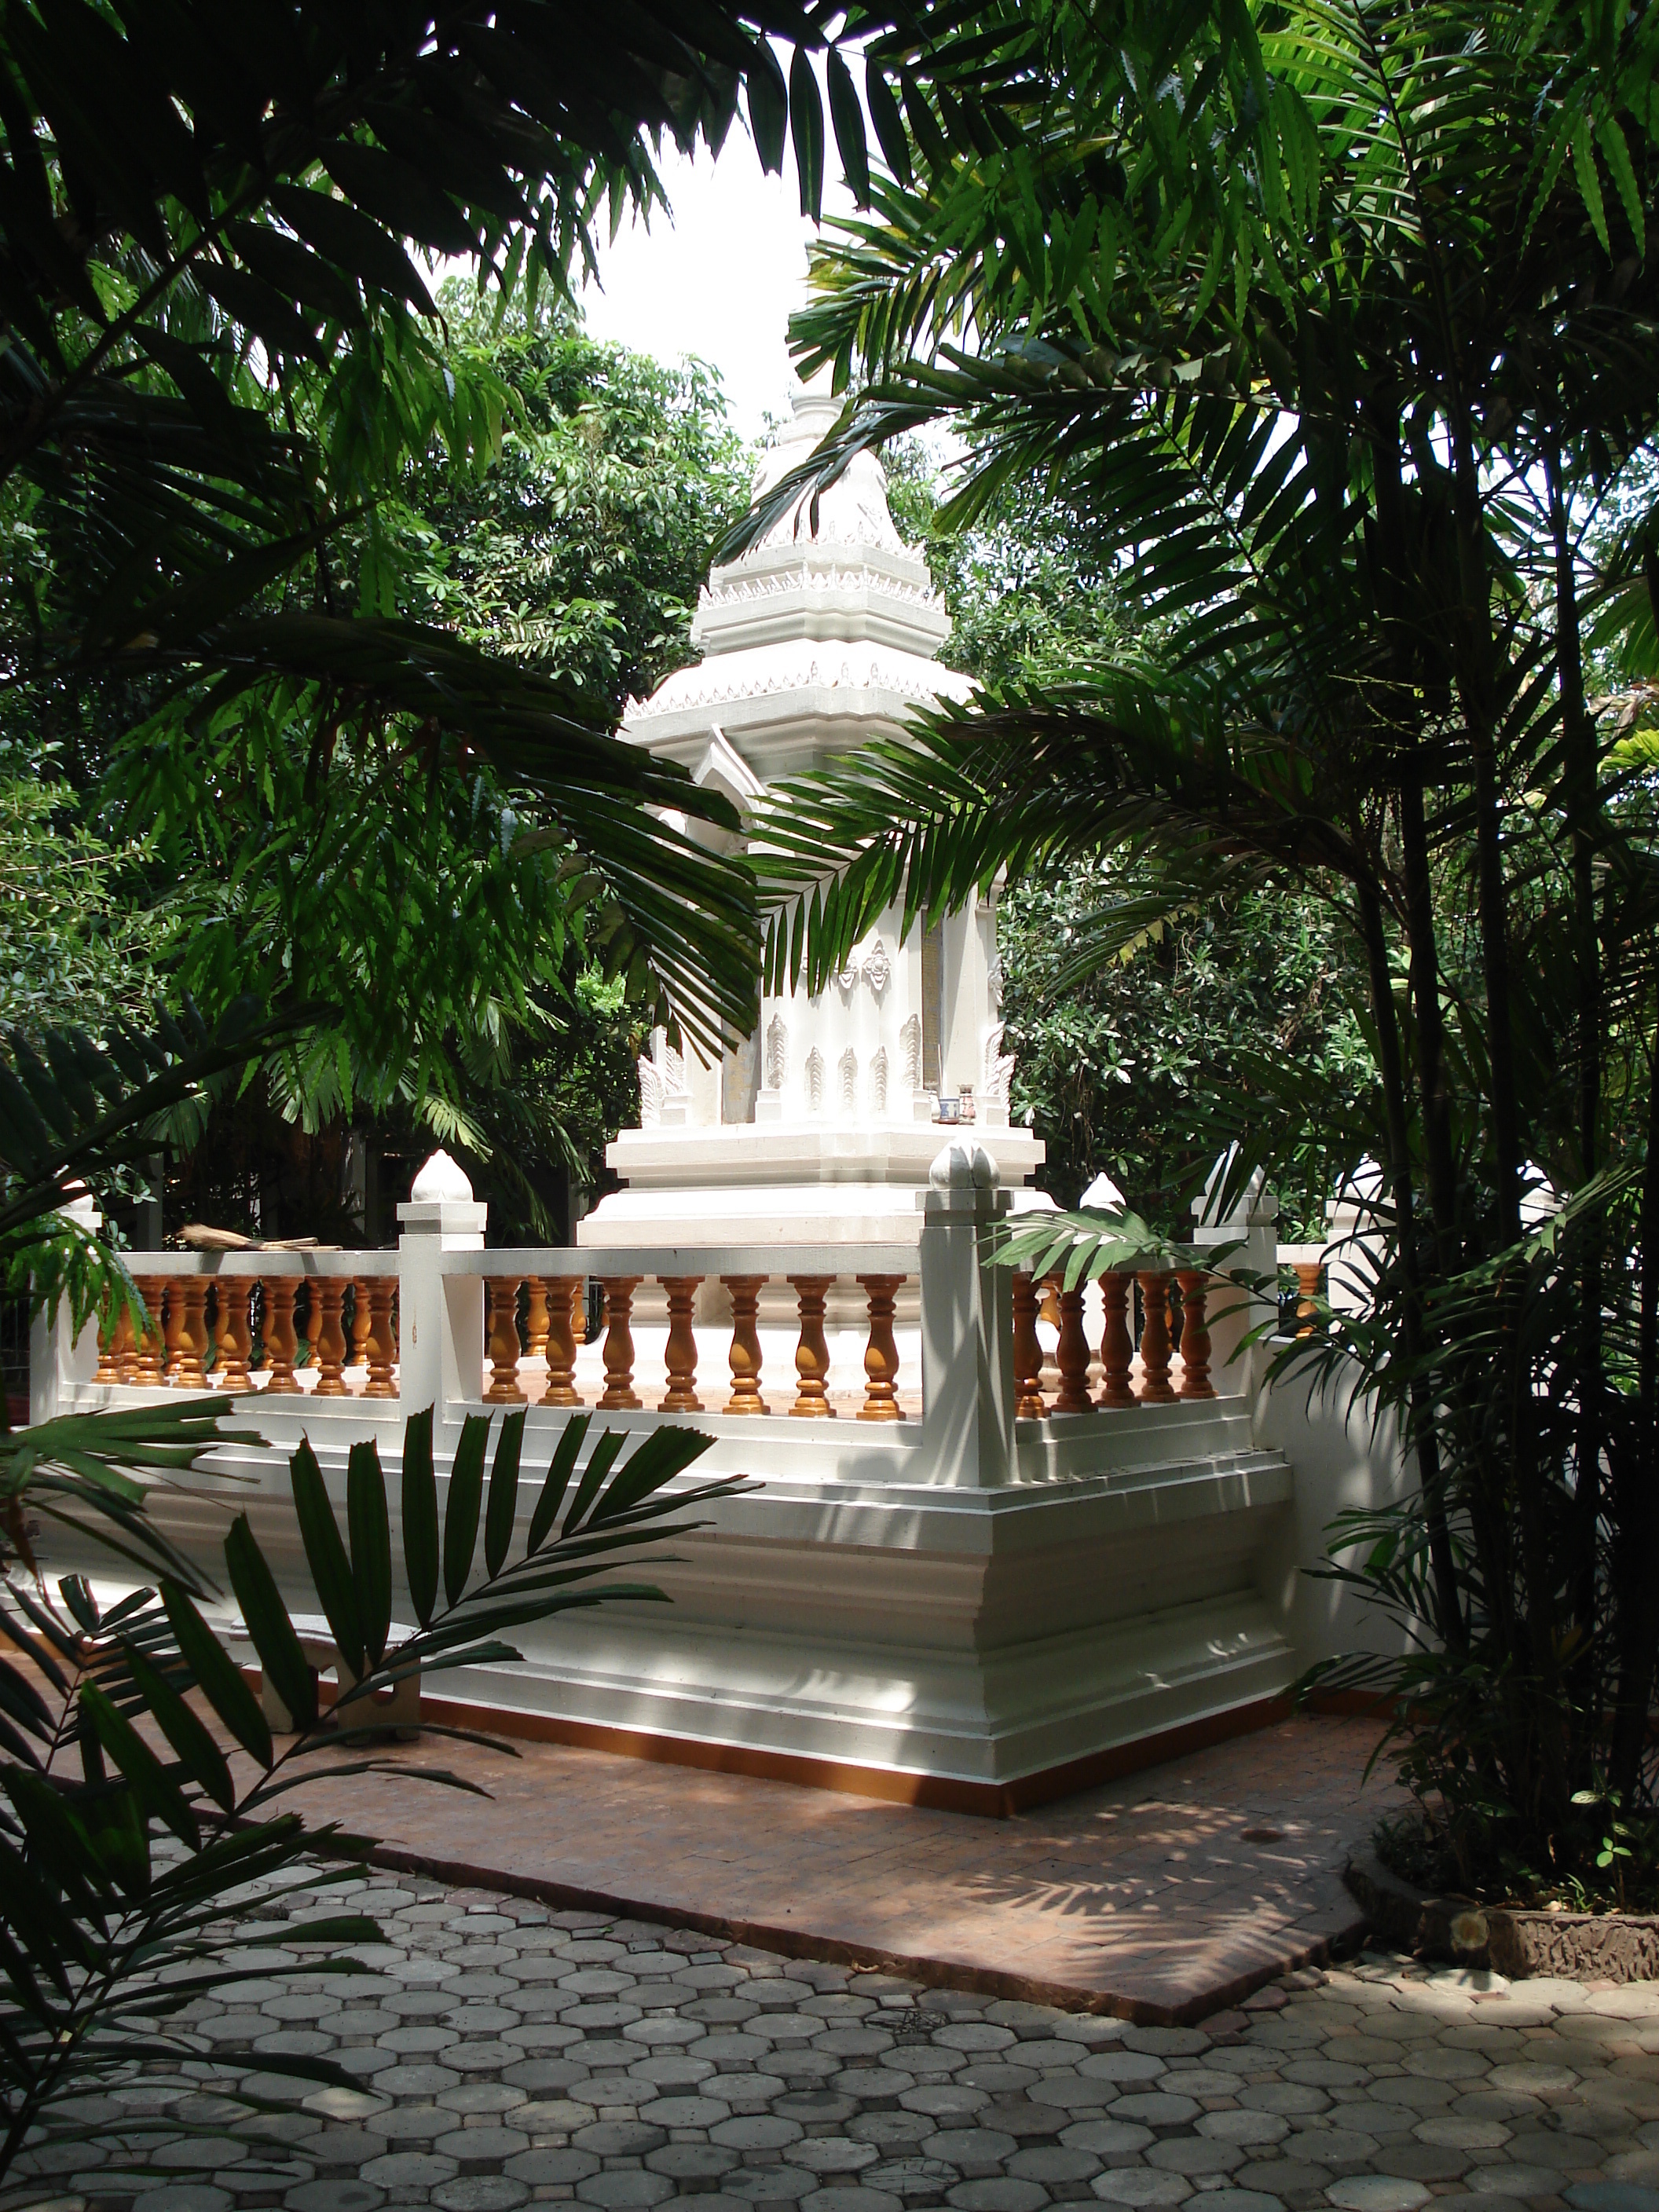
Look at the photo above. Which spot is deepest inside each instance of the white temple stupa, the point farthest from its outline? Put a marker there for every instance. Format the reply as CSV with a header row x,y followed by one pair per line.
x,y
823,1125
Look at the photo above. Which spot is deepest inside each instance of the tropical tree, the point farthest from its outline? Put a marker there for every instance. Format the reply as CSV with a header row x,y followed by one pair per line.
x,y
1338,320
198,213
143,1786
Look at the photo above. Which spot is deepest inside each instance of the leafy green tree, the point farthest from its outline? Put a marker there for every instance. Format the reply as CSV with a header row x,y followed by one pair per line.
x,y
73,928
579,552
1144,1067
204,214
1148,1067
1340,324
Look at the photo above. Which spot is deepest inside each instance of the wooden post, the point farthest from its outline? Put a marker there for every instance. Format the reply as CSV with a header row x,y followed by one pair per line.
x,y
680,1354
153,1290
745,1352
328,1334
235,1333
282,1341
562,1390
1194,1336
362,1323
173,1333
1308,1273
1028,1351
620,1396
579,1308
1048,1310
881,1360
377,1293
502,1294
108,1369
1116,1346
538,1319
1073,1355
812,1351
189,1366
1155,1340
126,1345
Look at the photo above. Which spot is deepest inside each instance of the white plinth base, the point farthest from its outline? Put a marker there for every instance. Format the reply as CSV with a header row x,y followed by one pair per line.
x,y
851,1625
805,1183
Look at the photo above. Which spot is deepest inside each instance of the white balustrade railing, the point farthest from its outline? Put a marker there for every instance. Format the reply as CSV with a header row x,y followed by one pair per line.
x,y
928,1330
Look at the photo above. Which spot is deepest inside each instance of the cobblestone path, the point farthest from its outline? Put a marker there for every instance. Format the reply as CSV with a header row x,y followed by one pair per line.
x,y
512,2054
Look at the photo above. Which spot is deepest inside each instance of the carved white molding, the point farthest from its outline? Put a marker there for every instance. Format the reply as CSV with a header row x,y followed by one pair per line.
x,y
993,982
910,1045
777,1051
848,1068
878,967
1000,1068
650,1095
879,1081
815,1081
673,1071
848,976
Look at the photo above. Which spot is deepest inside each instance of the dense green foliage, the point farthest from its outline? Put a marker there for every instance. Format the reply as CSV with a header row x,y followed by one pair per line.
x,y
1338,324
581,551
1144,1067
1147,1066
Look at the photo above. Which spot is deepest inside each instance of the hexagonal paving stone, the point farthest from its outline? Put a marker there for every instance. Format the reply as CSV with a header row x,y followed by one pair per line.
x,y
1139,2185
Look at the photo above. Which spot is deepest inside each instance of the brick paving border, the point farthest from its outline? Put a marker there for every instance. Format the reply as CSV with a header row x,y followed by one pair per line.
x,y
1160,1897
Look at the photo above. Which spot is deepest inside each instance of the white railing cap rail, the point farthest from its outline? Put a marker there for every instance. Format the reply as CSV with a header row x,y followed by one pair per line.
x,y
262,1263
707,1261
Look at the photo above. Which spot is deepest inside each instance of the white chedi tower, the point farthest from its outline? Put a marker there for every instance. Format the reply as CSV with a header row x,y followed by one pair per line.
x,y
823,1125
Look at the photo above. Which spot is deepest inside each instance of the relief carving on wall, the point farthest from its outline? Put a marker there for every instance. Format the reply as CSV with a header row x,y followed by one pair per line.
x,y
650,1095
910,1045
815,1081
848,1067
879,1081
777,1053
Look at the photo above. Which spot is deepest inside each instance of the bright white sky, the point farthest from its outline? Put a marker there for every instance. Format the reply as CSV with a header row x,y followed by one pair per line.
x,y
722,279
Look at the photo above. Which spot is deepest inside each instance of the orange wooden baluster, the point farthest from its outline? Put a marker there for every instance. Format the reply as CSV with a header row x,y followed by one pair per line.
x,y
1116,1348
745,1352
235,1331
173,1333
188,1367
126,1345
503,1295
361,1322
280,1338
377,1292
1155,1340
1194,1336
620,1396
812,1351
537,1320
579,1308
1072,1354
881,1358
1308,1273
1049,1311
680,1354
328,1334
152,1289
108,1369
561,1341
1028,1351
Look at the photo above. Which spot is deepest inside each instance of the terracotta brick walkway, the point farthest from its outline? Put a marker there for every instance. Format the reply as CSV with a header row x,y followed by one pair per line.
x,y
1162,1897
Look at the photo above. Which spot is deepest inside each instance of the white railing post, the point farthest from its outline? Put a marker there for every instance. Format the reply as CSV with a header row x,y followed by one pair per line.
x,y
440,1328
58,1360
1250,1224
967,1325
